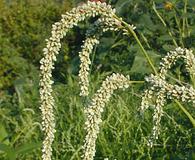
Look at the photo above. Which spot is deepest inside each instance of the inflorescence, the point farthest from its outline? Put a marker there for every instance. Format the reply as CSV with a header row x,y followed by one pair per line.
x,y
93,35
53,45
96,107
161,90
87,48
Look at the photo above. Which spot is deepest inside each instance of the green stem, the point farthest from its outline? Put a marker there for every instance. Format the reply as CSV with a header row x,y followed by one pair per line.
x,y
186,112
131,31
180,31
192,77
137,82
93,57
165,25
145,40
143,50
175,43
184,19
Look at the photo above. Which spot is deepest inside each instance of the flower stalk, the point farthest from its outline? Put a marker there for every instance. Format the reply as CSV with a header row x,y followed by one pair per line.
x,y
163,90
96,107
53,45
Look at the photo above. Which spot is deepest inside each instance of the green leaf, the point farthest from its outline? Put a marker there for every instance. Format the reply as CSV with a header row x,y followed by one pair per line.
x,y
3,135
141,65
28,147
11,154
165,38
122,5
119,43
4,147
168,47
147,22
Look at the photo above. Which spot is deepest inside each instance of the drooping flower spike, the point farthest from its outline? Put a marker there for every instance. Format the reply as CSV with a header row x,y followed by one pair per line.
x,y
96,107
87,48
92,39
161,90
53,45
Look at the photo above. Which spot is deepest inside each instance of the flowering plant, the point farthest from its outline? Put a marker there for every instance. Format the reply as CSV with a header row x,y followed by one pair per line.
x,y
107,20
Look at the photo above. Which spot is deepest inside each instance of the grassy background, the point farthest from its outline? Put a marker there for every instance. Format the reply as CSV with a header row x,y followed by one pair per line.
x,y
24,26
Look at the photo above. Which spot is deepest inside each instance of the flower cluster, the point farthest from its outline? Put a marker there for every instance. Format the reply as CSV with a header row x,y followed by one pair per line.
x,y
158,112
148,94
93,34
161,90
173,56
183,93
96,107
190,61
102,25
53,45
87,48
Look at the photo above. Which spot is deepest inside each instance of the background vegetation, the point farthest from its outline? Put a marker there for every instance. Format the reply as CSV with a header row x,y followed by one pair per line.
x,y
25,24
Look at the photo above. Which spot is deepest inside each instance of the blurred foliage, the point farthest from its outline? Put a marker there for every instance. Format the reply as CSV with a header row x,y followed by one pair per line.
x,y
152,33
24,26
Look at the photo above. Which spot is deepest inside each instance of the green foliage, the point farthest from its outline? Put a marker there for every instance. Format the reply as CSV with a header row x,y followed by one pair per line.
x,y
12,153
24,27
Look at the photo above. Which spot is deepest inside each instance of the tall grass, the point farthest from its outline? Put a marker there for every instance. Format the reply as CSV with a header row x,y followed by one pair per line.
x,y
123,132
